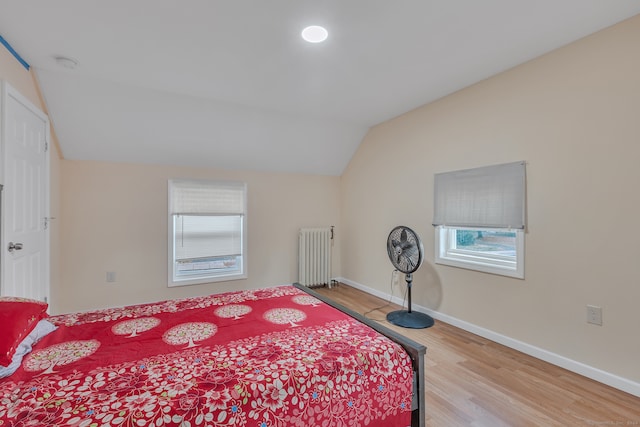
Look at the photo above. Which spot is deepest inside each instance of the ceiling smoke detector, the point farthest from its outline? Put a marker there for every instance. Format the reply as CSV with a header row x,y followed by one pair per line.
x,y
66,62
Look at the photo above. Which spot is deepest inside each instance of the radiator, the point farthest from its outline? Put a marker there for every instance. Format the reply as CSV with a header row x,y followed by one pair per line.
x,y
314,256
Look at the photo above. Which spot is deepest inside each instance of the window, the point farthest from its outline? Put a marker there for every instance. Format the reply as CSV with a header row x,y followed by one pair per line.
x,y
497,251
207,231
480,218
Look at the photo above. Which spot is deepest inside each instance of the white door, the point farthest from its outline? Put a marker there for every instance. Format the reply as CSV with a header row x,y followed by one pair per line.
x,y
25,198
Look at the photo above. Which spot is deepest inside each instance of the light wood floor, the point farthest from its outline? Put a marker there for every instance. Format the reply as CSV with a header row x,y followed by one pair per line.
x,y
471,381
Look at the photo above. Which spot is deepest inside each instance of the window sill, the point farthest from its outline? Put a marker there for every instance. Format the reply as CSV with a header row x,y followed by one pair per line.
x,y
209,279
479,266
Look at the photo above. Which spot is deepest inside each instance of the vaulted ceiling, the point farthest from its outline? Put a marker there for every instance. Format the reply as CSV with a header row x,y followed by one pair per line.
x,y
231,84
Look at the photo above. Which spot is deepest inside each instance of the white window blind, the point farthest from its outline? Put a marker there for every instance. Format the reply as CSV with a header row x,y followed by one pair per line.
x,y
485,197
193,197
200,236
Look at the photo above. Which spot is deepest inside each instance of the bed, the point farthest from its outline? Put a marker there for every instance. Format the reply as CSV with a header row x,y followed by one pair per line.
x,y
281,356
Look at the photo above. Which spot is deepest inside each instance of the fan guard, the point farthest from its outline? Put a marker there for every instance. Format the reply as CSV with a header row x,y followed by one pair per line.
x,y
406,254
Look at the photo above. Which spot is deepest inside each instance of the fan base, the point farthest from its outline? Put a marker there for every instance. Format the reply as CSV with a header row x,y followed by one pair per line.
x,y
414,319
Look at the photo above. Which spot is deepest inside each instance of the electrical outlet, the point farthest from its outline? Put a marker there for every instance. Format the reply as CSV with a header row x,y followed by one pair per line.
x,y
594,315
111,276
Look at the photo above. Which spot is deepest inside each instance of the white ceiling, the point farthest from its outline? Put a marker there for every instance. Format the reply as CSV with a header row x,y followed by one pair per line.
x,y
231,84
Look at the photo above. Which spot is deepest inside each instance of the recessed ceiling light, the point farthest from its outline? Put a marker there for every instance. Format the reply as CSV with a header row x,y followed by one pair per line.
x,y
315,34
66,62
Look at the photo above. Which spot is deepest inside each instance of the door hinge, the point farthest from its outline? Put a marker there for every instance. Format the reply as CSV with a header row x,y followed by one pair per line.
x,y
46,146
47,219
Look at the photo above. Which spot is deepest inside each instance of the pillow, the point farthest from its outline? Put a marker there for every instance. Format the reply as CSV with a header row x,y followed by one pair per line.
x,y
42,329
18,317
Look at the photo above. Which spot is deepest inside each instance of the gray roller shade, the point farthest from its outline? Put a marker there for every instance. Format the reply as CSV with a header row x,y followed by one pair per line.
x,y
485,197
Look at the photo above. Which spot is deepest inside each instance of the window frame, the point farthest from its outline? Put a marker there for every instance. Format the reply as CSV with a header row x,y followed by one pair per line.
x,y
196,279
447,254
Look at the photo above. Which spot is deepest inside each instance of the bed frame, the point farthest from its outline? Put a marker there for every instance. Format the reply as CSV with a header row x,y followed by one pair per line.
x,y
415,350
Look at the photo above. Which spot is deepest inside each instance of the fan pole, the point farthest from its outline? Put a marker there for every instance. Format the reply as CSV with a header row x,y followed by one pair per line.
x,y
409,280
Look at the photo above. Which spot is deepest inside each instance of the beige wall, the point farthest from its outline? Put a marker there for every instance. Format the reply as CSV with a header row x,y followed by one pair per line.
x,y
25,82
14,73
114,218
574,116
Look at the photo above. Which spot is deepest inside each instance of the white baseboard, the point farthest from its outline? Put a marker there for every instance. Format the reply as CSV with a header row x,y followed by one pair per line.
x,y
596,374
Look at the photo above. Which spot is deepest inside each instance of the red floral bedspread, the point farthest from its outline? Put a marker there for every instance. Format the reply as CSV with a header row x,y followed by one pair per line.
x,y
271,357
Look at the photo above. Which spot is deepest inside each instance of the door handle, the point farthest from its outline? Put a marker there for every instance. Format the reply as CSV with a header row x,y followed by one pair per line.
x,y
15,246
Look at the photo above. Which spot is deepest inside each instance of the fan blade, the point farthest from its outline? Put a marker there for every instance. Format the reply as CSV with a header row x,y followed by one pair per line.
x,y
403,244
411,263
406,261
410,251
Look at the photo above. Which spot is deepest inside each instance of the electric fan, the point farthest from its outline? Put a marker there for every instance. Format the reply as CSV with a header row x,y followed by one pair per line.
x,y
406,252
